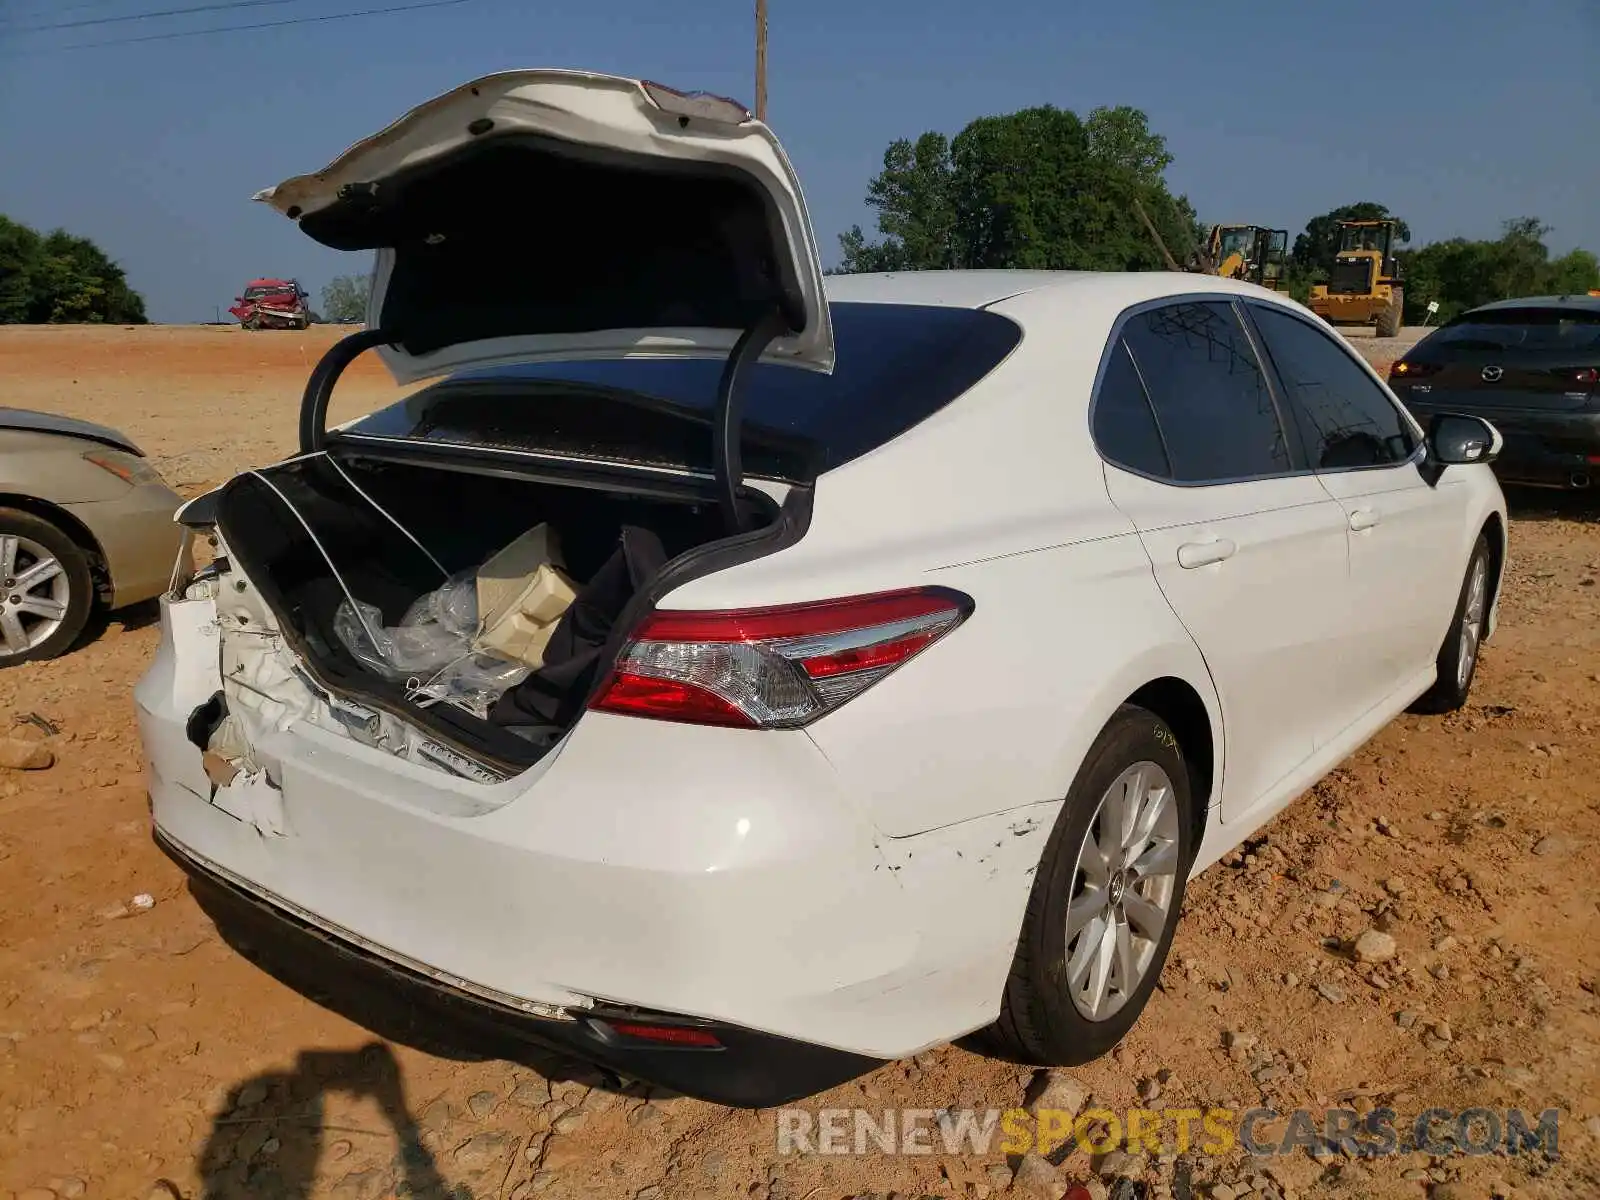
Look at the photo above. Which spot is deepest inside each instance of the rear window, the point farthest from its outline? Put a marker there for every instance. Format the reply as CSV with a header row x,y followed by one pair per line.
x,y
898,364
1522,329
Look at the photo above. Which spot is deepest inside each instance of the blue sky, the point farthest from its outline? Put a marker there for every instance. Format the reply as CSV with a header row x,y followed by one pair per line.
x,y
1455,113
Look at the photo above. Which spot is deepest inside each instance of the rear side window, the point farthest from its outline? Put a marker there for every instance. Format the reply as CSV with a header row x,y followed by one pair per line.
x,y
1124,426
1532,328
1210,396
1345,418
897,365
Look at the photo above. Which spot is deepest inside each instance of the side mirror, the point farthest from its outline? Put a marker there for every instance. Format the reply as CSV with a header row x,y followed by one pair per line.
x,y
1457,439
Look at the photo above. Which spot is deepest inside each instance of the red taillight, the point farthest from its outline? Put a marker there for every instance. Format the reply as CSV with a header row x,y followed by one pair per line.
x,y
773,668
1587,375
648,696
878,655
670,1035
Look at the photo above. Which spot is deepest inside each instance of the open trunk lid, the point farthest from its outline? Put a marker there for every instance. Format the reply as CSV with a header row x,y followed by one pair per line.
x,y
549,214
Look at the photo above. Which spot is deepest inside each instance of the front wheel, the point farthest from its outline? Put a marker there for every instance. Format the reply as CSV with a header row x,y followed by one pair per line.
x,y
1105,899
46,590
1389,319
1458,657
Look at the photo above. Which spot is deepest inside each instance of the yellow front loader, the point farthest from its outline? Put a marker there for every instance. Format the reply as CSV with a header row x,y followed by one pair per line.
x,y
1364,287
1250,252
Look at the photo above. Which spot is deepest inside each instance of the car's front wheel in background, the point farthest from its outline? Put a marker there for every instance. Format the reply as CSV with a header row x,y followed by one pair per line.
x,y
1105,899
1458,657
46,590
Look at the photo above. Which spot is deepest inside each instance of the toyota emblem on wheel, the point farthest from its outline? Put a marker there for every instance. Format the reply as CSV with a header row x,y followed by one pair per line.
x,y
1492,374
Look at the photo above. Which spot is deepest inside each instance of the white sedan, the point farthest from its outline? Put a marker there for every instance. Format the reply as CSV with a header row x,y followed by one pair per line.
x,y
929,630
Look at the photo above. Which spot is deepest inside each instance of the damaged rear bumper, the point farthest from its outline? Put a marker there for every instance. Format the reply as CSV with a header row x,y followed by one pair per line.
x,y
742,1069
717,873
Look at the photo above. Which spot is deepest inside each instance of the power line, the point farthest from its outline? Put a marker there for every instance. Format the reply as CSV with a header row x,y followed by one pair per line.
x,y
52,10
14,14
148,16
188,33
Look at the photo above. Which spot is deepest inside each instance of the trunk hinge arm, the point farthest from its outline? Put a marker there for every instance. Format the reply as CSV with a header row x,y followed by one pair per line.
x,y
727,458
319,388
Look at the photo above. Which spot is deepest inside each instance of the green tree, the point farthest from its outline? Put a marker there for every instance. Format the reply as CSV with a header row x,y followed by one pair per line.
x,y
1575,273
345,298
1032,189
60,278
1121,137
1315,249
1462,274
19,256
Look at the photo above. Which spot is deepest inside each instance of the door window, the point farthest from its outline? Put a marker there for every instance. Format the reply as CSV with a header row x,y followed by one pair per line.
x,y
1124,426
1212,405
1346,419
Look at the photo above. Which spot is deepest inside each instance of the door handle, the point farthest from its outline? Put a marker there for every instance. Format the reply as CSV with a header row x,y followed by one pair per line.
x,y
1202,554
1363,518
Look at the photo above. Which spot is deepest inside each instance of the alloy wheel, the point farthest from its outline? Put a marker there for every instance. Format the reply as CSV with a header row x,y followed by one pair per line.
x,y
1472,621
34,594
1123,888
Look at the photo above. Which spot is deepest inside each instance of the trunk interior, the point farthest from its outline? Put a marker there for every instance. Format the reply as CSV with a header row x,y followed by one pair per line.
x,y
285,525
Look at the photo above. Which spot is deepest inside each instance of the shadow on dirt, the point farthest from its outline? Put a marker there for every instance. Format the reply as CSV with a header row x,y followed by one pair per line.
x,y
1545,504
125,620
271,1135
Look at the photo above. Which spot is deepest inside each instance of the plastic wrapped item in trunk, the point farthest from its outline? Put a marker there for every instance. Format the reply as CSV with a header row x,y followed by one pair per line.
x,y
522,593
552,696
473,682
431,649
436,630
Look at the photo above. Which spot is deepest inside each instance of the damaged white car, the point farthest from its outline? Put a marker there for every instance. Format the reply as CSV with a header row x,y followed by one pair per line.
x,y
737,683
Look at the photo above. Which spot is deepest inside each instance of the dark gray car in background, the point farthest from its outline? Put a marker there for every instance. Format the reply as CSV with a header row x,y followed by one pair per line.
x,y
1532,368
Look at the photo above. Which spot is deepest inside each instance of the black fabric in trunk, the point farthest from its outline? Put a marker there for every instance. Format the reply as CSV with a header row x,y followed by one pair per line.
x,y
611,545
552,695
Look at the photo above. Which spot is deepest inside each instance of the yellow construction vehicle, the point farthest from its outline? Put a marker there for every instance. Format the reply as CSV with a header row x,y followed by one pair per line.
x,y
1249,252
1364,287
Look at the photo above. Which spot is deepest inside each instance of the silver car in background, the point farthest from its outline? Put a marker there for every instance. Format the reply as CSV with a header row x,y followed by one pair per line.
x,y
84,520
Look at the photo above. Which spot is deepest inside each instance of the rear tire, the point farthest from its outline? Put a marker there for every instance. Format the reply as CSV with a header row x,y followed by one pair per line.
x,y
46,590
1389,319
1458,657
1122,918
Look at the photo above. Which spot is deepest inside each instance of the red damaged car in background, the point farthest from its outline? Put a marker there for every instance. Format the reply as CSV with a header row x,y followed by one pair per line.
x,y
273,304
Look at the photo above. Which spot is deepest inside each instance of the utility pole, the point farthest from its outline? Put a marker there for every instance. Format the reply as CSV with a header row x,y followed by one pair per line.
x,y
761,60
